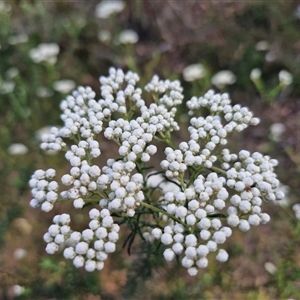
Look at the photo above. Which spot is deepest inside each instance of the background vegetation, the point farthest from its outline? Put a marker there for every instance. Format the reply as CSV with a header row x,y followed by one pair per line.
x,y
237,36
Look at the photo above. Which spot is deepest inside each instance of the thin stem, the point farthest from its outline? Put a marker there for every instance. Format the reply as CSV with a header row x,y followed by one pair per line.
x,y
166,139
154,208
181,180
195,174
217,216
216,169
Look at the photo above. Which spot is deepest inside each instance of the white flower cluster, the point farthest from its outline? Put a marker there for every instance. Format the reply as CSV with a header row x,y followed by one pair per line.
x,y
17,149
208,132
246,181
126,192
190,206
88,248
193,72
193,209
128,36
222,78
44,189
238,194
44,53
64,86
285,77
106,8
82,179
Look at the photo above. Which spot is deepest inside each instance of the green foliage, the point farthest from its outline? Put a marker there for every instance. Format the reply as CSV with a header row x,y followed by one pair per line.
x,y
63,282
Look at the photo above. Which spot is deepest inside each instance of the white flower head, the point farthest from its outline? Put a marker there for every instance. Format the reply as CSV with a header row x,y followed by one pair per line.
x,y
255,74
18,290
285,77
271,56
104,35
44,53
193,72
128,36
44,133
11,72
270,268
43,92
17,149
64,86
6,86
277,129
262,46
108,7
223,78
20,253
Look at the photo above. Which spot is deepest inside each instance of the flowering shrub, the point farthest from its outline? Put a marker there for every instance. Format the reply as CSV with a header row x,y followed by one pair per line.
x,y
189,207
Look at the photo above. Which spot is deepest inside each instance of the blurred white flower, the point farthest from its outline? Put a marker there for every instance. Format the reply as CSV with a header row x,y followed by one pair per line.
x,y
6,86
277,129
262,46
193,72
255,74
297,13
270,268
20,253
43,92
296,209
104,35
64,86
108,7
223,78
285,77
271,56
11,72
17,149
17,39
4,7
44,52
18,290
128,36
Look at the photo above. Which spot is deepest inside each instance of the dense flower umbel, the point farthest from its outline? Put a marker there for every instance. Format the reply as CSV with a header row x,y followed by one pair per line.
x,y
216,190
